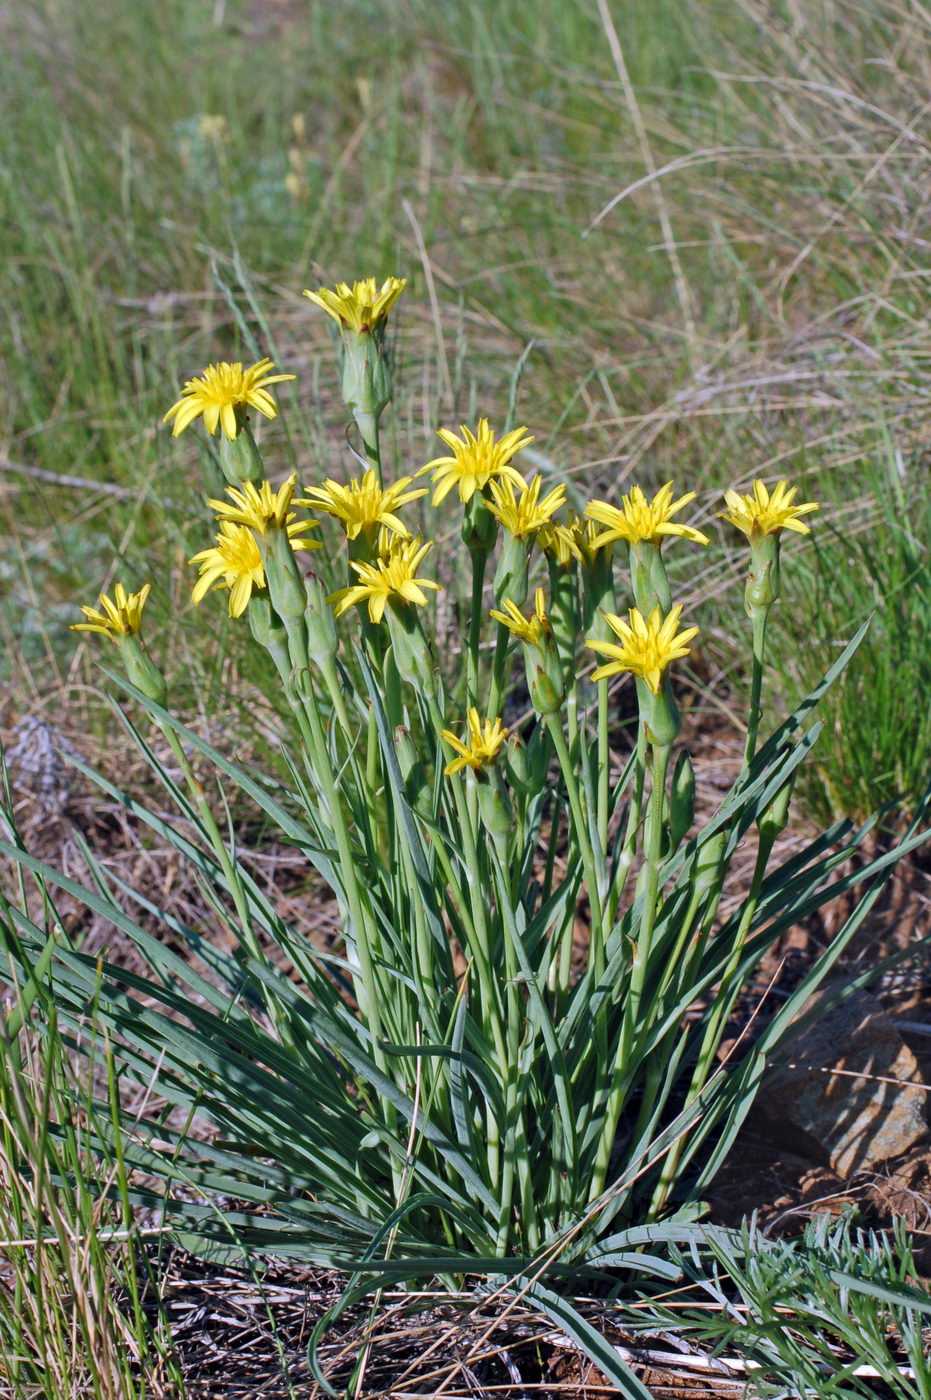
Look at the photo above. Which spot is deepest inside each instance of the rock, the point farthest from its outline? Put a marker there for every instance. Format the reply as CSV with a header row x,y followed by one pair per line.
x,y
832,1102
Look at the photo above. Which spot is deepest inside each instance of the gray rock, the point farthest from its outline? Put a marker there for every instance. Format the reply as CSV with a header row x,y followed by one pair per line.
x,y
832,1102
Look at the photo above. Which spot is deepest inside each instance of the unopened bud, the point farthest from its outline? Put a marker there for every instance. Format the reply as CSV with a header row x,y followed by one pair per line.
x,y
496,812
773,821
681,799
322,639
511,575
239,456
141,670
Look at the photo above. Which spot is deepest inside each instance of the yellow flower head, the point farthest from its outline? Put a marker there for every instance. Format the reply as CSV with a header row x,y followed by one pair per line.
x,y
560,542
647,645
361,306
393,575
762,514
532,630
235,563
220,390
480,747
476,460
263,509
117,616
526,513
638,520
363,505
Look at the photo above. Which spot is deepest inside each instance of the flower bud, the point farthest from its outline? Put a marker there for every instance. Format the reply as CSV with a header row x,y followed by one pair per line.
x,y
773,821
519,766
707,869
564,611
365,370
285,582
322,639
649,579
659,714
239,456
681,800
479,526
547,691
141,670
269,631
497,813
764,582
410,648
511,576
413,773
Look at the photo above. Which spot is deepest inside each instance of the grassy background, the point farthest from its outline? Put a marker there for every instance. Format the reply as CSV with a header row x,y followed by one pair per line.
x,y
173,174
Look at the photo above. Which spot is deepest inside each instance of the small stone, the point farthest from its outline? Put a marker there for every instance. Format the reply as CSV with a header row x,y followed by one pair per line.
x,y
833,1102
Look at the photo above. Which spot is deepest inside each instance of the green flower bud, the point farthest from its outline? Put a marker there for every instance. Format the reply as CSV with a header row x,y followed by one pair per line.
x,y
479,526
366,378
708,859
547,692
285,582
764,582
269,631
649,579
681,800
659,714
497,813
511,576
141,670
413,773
564,612
598,595
519,766
322,639
410,648
239,457
773,821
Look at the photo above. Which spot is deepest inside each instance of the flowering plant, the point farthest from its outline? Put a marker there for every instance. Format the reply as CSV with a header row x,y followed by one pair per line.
x,y
512,1063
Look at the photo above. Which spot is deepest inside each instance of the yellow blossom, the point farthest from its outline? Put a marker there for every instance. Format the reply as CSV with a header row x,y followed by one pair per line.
x,y
235,563
393,575
361,306
477,459
762,513
647,645
531,631
116,617
220,390
560,542
363,505
526,513
638,520
263,509
480,747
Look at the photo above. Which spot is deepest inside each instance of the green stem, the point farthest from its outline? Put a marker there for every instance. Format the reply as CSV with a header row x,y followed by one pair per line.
x,y
367,424
759,617
479,559
496,691
580,823
638,972
604,764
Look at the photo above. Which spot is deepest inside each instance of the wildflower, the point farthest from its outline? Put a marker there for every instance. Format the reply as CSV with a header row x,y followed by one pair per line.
x,y
763,514
481,745
560,543
263,509
525,514
477,459
220,391
393,575
120,619
363,505
638,520
647,646
234,563
532,631
359,307
116,617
